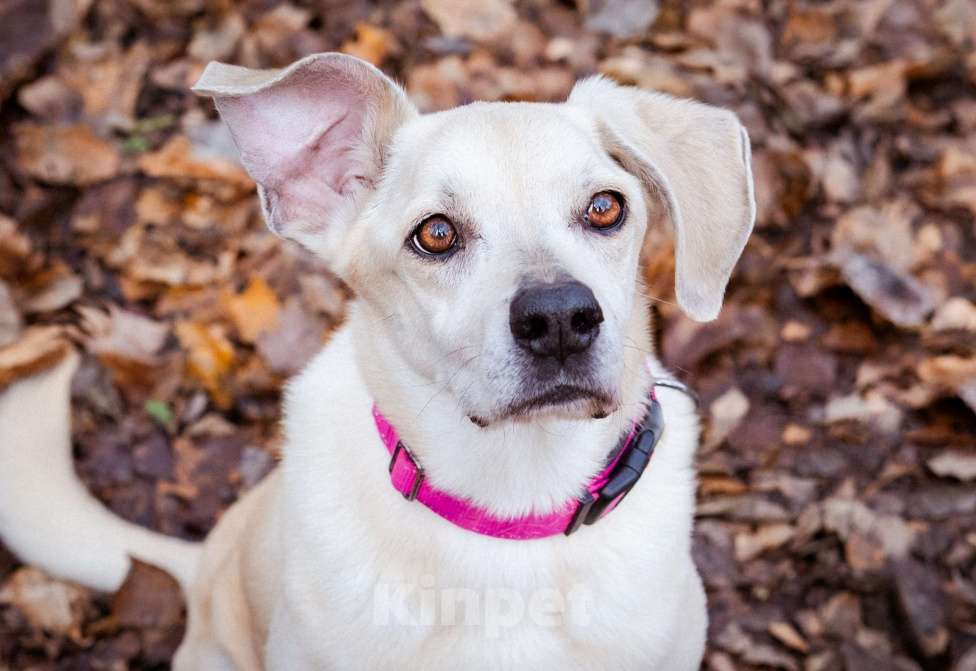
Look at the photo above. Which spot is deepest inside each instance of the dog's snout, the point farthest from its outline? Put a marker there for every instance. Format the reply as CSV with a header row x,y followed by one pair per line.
x,y
555,320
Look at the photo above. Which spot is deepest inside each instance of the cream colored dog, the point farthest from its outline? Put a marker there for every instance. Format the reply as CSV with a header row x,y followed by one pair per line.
x,y
500,327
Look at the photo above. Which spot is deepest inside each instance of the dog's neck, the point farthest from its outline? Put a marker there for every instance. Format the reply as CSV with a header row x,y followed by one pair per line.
x,y
509,468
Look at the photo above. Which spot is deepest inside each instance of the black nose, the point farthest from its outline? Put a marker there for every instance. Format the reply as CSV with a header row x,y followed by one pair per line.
x,y
555,320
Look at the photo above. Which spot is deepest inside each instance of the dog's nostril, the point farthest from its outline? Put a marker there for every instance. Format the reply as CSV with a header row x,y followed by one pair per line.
x,y
585,320
535,326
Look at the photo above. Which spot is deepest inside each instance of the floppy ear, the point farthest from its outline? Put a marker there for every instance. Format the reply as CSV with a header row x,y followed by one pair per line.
x,y
697,157
312,135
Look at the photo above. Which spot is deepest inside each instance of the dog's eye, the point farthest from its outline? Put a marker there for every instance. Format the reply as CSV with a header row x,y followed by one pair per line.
x,y
436,235
606,210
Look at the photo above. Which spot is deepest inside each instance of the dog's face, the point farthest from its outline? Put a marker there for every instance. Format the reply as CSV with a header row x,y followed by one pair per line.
x,y
497,245
504,240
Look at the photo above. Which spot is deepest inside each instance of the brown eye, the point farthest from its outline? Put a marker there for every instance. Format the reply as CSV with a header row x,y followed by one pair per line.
x,y
605,211
436,235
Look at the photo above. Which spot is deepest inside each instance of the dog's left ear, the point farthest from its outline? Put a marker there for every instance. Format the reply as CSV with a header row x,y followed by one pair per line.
x,y
697,157
313,136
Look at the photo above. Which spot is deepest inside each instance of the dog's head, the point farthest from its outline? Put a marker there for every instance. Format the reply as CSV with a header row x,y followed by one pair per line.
x,y
497,245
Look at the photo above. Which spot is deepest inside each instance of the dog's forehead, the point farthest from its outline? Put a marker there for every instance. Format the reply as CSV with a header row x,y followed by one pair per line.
x,y
499,143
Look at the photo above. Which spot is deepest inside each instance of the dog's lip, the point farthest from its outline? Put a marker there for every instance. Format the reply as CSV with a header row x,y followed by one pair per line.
x,y
562,394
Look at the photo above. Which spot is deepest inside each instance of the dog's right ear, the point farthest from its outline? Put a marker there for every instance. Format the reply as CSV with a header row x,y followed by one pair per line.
x,y
313,136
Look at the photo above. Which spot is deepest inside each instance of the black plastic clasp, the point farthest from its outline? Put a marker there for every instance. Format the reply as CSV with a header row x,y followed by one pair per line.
x,y
626,473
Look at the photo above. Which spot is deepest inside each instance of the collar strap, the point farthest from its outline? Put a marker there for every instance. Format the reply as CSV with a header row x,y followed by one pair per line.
x,y
624,467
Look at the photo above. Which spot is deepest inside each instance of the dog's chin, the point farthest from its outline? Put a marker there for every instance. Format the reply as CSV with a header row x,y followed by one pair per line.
x,y
565,401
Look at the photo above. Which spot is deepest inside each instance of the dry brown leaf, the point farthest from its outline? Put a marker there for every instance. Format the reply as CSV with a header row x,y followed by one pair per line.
x,y
751,544
15,250
734,639
620,18
50,604
11,323
725,413
848,517
218,44
954,464
897,296
28,29
148,598
209,356
955,313
883,233
38,348
785,633
794,434
919,595
52,289
372,43
254,311
109,84
181,159
476,19
65,154
51,99
122,334
949,371
296,339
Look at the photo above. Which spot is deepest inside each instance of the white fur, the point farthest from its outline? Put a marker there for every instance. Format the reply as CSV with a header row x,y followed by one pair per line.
x,y
302,573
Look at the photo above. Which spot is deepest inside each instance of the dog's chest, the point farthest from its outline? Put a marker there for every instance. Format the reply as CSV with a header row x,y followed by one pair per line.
x,y
468,605
373,581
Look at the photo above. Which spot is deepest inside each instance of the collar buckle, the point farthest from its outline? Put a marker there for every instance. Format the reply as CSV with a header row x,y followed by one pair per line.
x,y
418,478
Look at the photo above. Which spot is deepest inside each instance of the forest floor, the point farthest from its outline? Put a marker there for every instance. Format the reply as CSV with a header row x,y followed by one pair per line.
x,y
837,497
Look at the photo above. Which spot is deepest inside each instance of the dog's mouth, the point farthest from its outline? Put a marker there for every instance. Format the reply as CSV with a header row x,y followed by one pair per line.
x,y
564,399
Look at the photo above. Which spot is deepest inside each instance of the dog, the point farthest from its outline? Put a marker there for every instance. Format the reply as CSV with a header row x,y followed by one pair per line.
x,y
442,500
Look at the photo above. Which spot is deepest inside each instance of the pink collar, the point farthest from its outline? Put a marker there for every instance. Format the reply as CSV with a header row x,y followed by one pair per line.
x,y
624,467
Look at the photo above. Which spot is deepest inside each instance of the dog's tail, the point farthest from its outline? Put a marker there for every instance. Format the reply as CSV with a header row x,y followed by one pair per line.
x,y
47,517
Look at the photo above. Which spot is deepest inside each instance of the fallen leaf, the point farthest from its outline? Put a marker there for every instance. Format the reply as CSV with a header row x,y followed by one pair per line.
x,y
922,605
52,289
949,371
895,295
372,43
955,313
889,533
28,29
108,85
148,598
477,19
751,544
296,339
51,99
219,43
71,155
734,639
883,233
725,413
15,250
11,323
254,311
38,348
183,160
794,331
794,434
50,604
620,18
209,356
959,465
786,634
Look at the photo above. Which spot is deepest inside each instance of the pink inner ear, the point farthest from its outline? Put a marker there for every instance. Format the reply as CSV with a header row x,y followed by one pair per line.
x,y
301,140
